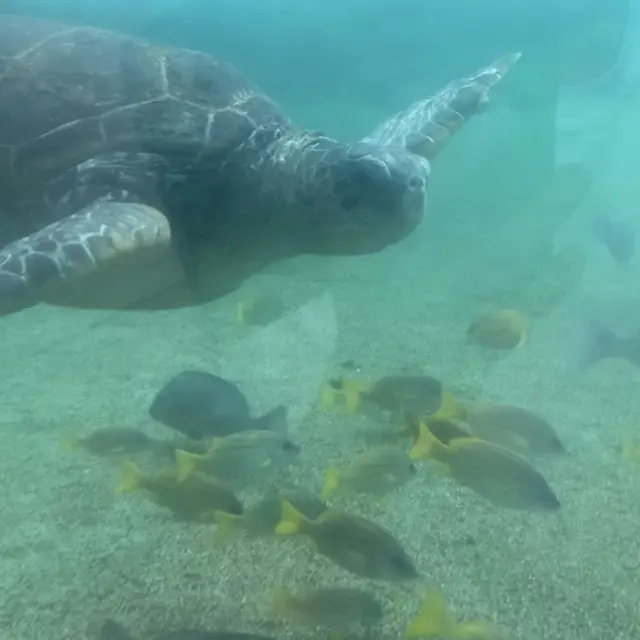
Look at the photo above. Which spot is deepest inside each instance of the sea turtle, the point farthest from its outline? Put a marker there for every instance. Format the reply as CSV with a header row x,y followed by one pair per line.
x,y
142,176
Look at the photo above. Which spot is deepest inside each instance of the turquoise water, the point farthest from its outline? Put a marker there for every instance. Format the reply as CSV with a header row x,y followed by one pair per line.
x,y
505,228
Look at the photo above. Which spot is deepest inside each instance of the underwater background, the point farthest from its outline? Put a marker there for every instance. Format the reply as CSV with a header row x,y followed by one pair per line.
x,y
509,226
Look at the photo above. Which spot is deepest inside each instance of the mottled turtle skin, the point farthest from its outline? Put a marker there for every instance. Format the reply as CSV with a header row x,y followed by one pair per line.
x,y
141,176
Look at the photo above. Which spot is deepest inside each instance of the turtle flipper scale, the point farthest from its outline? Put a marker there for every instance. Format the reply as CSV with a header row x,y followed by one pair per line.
x,y
426,126
103,256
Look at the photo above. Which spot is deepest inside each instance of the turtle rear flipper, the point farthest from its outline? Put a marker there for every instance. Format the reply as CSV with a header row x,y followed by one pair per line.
x,y
426,126
108,255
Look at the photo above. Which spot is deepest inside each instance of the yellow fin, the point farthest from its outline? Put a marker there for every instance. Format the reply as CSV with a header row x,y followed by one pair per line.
x,y
332,482
351,390
424,444
291,520
449,408
187,462
328,398
69,441
229,525
131,477
432,620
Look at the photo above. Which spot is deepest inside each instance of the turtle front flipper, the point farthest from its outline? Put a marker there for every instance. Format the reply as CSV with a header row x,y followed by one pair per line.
x,y
106,256
426,126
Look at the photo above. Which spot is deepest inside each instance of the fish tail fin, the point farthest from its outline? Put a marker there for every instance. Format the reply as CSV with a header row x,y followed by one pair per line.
x,y
69,441
432,620
229,526
450,407
352,393
425,445
291,521
328,397
274,420
131,477
186,462
331,483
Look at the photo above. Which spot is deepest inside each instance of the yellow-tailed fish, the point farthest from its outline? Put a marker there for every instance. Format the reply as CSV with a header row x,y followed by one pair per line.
x,y
197,496
434,621
332,608
356,544
262,517
503,477
420,394
241,457
377,471
513,427
417,395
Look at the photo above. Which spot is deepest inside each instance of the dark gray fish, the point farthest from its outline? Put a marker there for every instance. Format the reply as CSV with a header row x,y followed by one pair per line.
x,y
617,236
602,344
112,630
202,405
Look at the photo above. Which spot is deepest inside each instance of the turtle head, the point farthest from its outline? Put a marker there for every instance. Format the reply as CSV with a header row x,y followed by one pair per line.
x,y
358,198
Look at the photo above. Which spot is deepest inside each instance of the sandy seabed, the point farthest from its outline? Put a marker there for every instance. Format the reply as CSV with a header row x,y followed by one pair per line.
x,y
73,552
